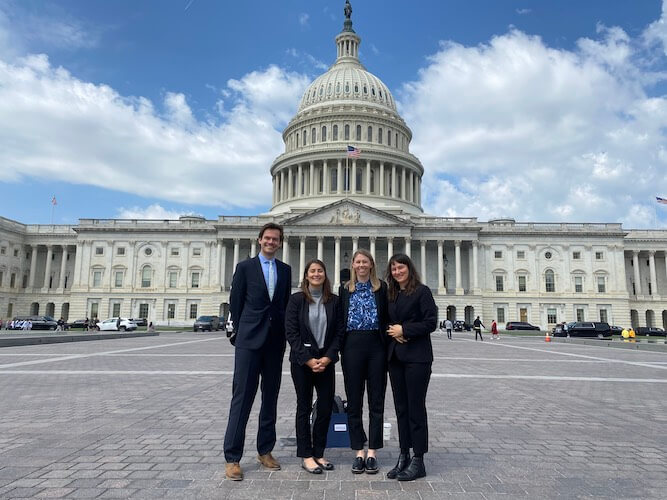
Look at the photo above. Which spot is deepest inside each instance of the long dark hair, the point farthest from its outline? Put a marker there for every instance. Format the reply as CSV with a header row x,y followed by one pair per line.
x,y
326,286
413,276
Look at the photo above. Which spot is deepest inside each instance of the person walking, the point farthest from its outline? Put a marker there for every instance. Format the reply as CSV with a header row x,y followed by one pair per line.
x,y
314,329
477,326
448,328
494,330
412,317
364,360
261,288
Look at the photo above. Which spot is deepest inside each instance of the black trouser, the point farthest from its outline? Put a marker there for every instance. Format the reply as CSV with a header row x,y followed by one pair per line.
x,y
313,444
478,331
409,383
449,333
364,363
249,365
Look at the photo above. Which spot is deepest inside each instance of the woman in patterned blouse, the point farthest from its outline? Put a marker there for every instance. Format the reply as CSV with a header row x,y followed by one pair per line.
x,y
364,301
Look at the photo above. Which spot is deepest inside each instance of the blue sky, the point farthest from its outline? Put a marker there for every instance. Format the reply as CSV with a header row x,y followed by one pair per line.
x,y
547,110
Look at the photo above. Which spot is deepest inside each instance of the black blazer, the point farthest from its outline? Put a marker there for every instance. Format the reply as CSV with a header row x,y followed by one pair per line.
x,y
418,315
380,302
253,313
300,337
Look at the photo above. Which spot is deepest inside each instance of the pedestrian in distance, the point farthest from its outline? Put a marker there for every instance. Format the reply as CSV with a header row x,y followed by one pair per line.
x,y
260,291
412,317
494,330
364,358
448,328
477,326
314,329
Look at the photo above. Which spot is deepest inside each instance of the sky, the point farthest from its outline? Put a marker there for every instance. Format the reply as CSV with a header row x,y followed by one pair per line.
x,y
549,110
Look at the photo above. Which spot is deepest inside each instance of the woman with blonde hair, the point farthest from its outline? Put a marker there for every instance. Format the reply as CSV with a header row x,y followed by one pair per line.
x,y
364,359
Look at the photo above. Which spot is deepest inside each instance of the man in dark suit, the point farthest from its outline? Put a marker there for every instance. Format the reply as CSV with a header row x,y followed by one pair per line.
x,y
260,291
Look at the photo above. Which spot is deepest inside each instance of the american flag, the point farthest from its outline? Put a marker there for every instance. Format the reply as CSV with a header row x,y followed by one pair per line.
x,y
661,200
53,201
353,152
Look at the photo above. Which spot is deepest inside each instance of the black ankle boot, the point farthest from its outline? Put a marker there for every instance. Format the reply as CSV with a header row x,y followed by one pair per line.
x,y
414,471
401,465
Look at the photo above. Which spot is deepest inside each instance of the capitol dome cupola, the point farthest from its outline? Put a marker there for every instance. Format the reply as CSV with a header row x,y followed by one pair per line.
x,y
347,107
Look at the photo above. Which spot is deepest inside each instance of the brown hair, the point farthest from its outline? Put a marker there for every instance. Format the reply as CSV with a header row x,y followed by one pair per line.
x,y
271,225
413,276
375,282
326,286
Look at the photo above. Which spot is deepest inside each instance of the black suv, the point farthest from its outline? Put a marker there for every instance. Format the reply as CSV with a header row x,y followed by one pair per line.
x,y
139,321
650,331
459,326
592,329
520,325
206,323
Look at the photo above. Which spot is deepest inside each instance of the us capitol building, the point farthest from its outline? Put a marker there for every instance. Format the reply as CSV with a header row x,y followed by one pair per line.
x,y
172,271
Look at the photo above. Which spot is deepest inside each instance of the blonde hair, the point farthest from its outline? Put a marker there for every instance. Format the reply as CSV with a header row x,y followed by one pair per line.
x,y
375,282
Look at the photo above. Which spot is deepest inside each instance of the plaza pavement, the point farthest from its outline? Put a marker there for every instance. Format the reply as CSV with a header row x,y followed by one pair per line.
x,y
514,418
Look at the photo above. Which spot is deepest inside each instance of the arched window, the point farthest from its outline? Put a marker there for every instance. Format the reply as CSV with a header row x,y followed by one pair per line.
x,y
347,132
356,88
369,134
549,281
379,136
312,136
396,141
304,137
335,132
358,132
297,140
388,137
324,133
146,277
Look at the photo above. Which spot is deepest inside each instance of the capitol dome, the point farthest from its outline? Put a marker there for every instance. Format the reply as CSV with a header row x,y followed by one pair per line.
x,y
347,140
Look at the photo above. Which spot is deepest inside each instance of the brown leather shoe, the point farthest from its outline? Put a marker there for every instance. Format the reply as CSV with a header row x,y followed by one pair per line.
x,y
233,471
268,461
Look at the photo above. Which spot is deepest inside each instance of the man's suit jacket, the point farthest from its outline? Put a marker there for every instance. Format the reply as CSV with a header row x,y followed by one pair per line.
x,y
253,313
300,337
418,315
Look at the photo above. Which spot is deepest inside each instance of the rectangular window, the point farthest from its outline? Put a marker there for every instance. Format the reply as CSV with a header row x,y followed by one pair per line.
x,y
195,280
578,284
523,314
521,254
12,280
10,310
498,254
94,309
603,316
551,315
196,251
120,251
599,255
173,279
499,284
576,255
580,315
2,275
115,312
602,286
3,250
171,311
193,311
16,252
25,281
143,311
118,279
97,278
175,251
500,312
99,250
522,283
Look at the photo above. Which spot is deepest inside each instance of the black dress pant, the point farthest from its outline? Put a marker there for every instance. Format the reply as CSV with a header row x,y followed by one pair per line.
x,y
249,365
313,444
409,383
364,363
478,331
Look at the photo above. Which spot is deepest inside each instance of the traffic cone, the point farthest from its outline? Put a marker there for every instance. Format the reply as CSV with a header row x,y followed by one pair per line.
x,y
547,338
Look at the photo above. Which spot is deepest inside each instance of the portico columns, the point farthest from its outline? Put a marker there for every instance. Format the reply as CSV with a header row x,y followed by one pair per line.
x,y
63,265
311,178
299,181
289,185
320,248
47,272
355,244
390,248
393,181
381,182
422,244
368,177
372,240
325,178
253,248
286,250
33,265
336,262
302,256
237,245
635,266
652,274
223,263
408,246
403,192
457,248
339,175
475,264
353,180
441,270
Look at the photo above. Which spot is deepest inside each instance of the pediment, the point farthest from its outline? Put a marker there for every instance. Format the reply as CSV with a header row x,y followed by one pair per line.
x,y
345,213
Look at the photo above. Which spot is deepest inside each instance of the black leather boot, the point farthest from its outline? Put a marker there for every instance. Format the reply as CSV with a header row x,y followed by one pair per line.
x,y
401,465
414,471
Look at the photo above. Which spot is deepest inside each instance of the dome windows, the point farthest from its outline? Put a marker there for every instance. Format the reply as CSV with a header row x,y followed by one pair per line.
x,y
335,132
338,88
347,132
356,88
329,89
369,134
373,91
324,133
379,136
358,132
321,90
365,90
312,136
347,88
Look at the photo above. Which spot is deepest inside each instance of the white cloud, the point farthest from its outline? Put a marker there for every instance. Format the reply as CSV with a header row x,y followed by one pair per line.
x,y
517,128
303,19
305,57
154,211
656,33
523,12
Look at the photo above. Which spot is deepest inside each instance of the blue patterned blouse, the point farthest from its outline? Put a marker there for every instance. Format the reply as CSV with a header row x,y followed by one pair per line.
x,y
363,312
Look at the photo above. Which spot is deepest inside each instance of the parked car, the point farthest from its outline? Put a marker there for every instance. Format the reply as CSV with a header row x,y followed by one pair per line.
x,y
459,326
113,325
520,325
139,321
592,329
38,322
77,323
650,331
616,330
206,323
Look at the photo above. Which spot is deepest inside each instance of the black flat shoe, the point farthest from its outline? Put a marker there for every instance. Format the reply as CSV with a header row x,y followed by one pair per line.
x,y
358,466
401,465
372,465
314,470
324,465
414,471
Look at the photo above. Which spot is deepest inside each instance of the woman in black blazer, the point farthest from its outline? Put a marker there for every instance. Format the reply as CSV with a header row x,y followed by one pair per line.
x,y
314,330
413,315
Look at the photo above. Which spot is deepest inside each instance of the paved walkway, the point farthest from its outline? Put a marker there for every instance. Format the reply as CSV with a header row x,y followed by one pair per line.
x,y
514,418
